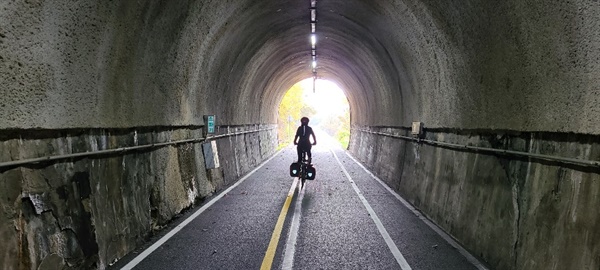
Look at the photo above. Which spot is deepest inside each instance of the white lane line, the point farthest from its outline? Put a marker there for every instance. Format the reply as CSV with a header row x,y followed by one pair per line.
x,y
178,228
429,223
386,236
293,187
290,245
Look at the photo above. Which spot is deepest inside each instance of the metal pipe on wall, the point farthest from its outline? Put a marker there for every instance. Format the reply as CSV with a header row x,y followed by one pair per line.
x,y
120,149
491,150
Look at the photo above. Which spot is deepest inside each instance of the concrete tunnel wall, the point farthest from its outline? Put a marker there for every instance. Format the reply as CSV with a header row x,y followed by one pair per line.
x,y
96,75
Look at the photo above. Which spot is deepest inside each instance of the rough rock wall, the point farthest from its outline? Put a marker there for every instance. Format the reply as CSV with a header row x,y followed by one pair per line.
x,y
515,213
88,212
124,64
88,75
520,75
248,150
523,65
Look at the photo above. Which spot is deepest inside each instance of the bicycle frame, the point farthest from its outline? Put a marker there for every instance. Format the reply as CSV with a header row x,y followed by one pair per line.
x,y
305,162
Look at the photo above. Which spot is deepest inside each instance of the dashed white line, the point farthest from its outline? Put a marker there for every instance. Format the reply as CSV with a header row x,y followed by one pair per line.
x,y
386,236
429,223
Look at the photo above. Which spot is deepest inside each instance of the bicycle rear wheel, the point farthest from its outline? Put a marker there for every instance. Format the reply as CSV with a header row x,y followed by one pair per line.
x,y
303,173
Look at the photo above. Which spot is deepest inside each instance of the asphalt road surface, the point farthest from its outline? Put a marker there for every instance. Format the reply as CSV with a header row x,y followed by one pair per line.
x,y
344,219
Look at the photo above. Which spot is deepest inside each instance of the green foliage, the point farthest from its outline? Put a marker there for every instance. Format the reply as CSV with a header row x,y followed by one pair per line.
x,y
291,109
343,136
343,133
307,111
338,126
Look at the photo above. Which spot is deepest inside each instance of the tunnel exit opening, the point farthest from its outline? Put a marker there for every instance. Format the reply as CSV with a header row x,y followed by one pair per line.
x,y
327,108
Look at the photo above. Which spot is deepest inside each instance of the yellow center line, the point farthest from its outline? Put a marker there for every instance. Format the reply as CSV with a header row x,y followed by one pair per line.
x,y
270,254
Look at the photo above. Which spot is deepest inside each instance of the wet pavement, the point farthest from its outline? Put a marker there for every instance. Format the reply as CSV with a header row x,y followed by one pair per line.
x,y
333,226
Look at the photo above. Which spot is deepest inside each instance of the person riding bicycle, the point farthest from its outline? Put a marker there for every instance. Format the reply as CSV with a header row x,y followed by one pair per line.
x,y
302,139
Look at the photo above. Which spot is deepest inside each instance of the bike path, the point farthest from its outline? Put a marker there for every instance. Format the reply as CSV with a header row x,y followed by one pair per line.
x,y
335,229
233,233
422,247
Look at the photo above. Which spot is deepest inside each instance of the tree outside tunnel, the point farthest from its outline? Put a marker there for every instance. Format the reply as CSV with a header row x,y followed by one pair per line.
x,y
327,107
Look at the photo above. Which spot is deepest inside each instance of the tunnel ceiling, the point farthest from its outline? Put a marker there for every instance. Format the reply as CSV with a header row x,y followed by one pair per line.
x,y
349,53
510,65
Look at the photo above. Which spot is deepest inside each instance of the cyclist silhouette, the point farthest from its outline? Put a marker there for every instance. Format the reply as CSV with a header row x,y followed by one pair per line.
x,y
302,139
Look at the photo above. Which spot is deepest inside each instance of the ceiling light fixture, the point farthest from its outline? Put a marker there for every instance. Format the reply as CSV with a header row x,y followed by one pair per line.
x,y
313,40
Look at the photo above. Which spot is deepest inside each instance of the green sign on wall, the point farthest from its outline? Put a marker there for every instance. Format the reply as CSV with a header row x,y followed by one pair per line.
x,y
209,121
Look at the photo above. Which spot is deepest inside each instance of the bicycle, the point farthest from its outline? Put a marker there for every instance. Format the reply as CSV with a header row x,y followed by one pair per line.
x,y
303,170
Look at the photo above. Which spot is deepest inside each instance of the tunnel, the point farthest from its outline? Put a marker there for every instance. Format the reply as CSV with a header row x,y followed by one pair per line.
x,y
102,121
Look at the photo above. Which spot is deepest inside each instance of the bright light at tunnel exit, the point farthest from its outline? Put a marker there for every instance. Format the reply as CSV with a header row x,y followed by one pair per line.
x,y
331,110
327,100
327,107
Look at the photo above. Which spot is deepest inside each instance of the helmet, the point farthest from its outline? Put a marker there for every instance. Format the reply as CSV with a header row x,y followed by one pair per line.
x,y
304,120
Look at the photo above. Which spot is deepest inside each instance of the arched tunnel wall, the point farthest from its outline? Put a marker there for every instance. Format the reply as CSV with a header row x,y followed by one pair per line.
x,y
519,76
88,75
92,76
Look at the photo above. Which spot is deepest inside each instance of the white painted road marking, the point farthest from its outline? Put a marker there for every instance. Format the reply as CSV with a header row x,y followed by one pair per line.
x,y
290,246
429,223
386,236
175,230
272,248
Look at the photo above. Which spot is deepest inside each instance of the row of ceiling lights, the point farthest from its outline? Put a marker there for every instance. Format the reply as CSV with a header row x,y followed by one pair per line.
x,y
313,39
